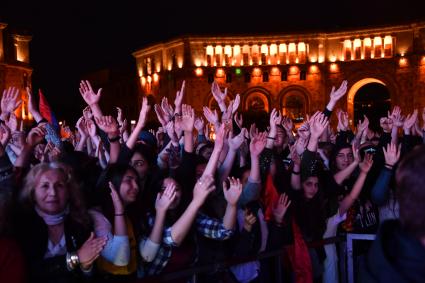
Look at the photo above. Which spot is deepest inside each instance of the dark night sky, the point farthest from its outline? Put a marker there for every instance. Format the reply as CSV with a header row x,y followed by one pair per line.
x,y
71,38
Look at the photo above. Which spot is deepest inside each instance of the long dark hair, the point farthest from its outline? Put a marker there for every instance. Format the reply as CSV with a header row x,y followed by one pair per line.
x,y
135,211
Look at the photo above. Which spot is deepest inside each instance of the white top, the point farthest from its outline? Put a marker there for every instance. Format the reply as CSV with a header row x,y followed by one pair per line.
x,y
56,250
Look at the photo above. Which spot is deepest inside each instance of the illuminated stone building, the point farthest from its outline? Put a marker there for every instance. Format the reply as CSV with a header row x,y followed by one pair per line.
x,y
15,69
293,72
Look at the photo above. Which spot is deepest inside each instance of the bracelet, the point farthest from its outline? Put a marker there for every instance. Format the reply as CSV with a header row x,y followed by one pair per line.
x,y
388,165
117,138
72,260
119,214
271,138
296,173
42,121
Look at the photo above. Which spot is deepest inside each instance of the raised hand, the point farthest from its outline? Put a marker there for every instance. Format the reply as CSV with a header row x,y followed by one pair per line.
x,y
220,135
253,131
275,119
319,124
392,154
410,120
168,110
236,141
203,187
232,193
287,124
171,132
249,221
108,125
257,144
342,120
227,115
236,103
116,200
186,121
179,97
238,120
162,118
199,125
10,100
87,114
304,131
32,108
367,163
89,96
81,127
362,126
218,95
91,128
340,92
36,136
90,250
143,116
300,145
165,199
280,207
212,117
396,117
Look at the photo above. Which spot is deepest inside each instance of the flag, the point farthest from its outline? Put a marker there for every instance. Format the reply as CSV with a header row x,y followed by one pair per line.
x,y
46,112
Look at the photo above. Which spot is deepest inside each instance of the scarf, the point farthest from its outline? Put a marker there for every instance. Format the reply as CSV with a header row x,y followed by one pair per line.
x,y
53,219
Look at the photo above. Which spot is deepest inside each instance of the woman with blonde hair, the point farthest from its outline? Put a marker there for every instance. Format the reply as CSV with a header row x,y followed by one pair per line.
x,y
53,226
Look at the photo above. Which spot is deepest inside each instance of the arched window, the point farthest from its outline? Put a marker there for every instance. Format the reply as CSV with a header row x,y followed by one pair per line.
x,y
294,105
256,101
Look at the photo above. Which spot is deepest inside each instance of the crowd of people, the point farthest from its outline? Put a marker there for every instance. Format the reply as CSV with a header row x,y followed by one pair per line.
x,y
103,203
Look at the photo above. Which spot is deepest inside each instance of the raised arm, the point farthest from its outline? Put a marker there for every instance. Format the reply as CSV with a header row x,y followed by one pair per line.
x,y
110,127
131,142
340,176
185,123
203,188
149,248
380,191
9,102
35,136
32,108
319,123
91,98
219,96
275,119
231,194
336,95
348,201
179,99
234,144
218,146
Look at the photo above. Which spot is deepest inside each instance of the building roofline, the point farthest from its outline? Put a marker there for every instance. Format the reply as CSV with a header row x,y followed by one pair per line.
x,y
303,35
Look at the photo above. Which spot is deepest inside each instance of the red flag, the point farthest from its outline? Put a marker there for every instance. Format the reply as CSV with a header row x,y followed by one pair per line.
x,y
46,112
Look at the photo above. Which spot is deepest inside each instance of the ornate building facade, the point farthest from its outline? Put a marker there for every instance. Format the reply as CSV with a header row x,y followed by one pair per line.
x,y
15,69
294,72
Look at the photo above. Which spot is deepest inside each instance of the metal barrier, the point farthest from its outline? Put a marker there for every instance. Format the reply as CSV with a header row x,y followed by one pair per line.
x,y
220,266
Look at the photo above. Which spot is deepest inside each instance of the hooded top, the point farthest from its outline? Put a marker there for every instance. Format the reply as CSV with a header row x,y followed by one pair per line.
x,y
394,256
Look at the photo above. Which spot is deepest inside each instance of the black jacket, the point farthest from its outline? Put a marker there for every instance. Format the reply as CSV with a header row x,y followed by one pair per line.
x,y
395,256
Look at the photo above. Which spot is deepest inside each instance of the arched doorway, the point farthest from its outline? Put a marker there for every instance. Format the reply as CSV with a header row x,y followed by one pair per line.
x,y
369,97
372,100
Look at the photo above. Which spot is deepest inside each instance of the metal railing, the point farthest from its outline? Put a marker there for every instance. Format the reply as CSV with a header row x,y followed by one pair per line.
x,y
193,272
